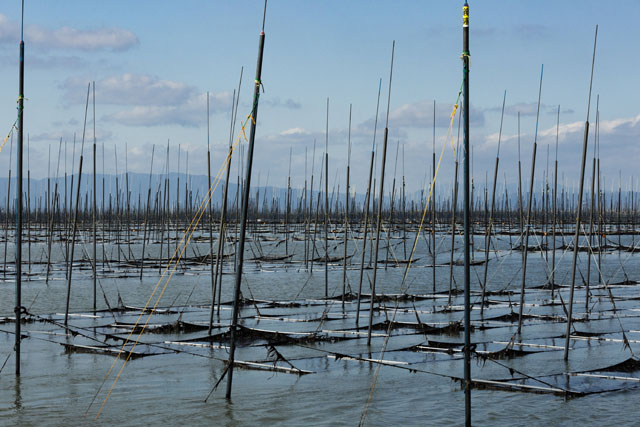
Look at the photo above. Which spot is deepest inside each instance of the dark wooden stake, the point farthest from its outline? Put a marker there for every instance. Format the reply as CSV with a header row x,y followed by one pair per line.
x,y
366,206
380,202
18,305
75,217
467,219
346,212
576,235
525,245
245,208
491,212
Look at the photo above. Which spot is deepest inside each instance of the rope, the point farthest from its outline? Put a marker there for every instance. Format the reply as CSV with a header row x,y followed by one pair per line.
x,y
404,278
7,359
187,235
13,126
433,182
190,230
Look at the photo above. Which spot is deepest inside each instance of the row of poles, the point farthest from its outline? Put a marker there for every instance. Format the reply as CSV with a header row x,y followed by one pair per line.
x,y
245,204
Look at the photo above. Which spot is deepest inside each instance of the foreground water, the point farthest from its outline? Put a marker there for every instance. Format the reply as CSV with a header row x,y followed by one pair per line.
x,y
170,384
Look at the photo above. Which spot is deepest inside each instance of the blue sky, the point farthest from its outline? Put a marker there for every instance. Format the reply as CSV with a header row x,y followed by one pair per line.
x,y
153,61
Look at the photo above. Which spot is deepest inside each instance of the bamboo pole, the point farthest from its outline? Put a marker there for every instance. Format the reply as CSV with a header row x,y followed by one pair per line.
x,y
326,206
221,237
579,207
555,210
245,208
210,209
75,218
591,218
433,203
525,245
380,202
287,208
520,203
346,212
52,212
454,204
8,209
146,215
28,206
18,286
220,251
492,211
391,206
366,207
312,244
95,235
467,218
404,209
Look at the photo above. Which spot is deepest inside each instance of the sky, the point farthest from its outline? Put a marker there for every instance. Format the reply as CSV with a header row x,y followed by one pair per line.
x,y
154,61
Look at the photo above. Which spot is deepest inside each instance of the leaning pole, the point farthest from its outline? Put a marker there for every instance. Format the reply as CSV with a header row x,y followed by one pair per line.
x,y
245,209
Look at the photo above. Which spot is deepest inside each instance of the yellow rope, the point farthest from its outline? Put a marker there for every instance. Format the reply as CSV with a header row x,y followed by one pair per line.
x,y
453,114
406,272
190,230
433,182
13,127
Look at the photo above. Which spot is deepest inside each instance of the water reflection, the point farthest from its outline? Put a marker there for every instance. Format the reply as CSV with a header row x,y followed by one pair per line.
x,y
18,395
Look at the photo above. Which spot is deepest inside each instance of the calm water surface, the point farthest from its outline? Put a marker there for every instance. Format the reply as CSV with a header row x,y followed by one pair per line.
x,y
56,388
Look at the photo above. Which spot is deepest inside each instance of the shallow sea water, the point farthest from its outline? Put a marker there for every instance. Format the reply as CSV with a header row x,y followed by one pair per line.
x,y
56,387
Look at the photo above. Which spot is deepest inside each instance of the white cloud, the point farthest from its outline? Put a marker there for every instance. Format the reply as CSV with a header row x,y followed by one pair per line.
x,y
112,39
67,135
420,115
615,128
8,30
130,89
116,39
295,131
529,109
277,102
152,101
188,112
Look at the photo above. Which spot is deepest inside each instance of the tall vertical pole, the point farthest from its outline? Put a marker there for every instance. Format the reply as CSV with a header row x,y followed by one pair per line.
x,y
366,206
454,205
467,257
380,200
18,306
525,245
95,233
306,215
590,238
326,206
245,207
29,203
433,203
555,209
287,209
75,216
489,226
213,276
225,197
346,212
520,204
576,235
145,223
